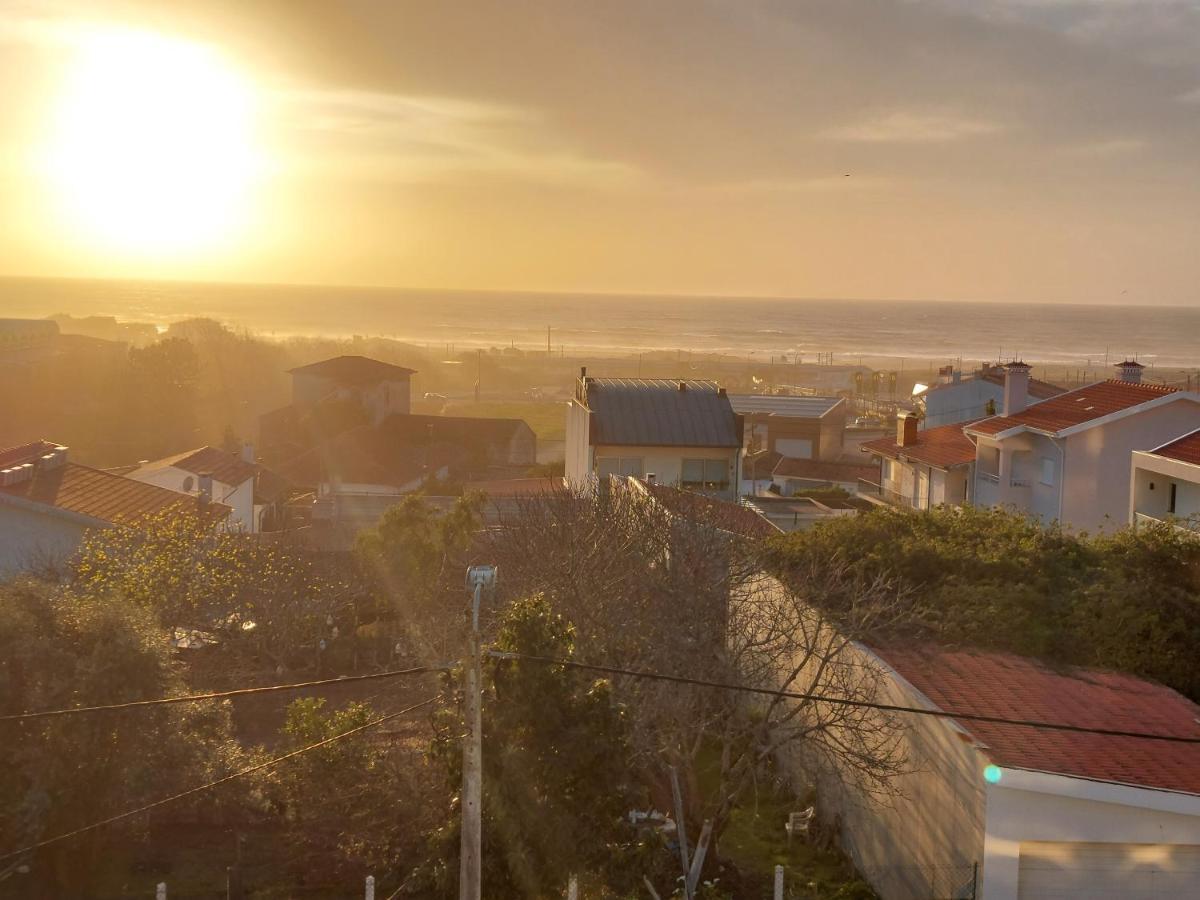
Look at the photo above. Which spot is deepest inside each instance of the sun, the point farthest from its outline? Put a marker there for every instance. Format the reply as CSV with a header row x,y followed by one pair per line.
x,y
152,148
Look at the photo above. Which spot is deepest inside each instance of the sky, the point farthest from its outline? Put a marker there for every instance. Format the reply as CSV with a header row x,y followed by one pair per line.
x,y
1033,150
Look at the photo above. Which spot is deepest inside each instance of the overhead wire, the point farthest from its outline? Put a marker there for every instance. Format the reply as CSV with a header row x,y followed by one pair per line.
x,y
846,701
212,784
221,695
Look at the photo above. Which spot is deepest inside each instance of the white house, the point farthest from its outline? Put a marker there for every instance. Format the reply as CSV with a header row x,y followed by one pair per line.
x,y
230,478
1002,811
48,504
380,388
921,469
1067,458
1165,483
953,398
678,433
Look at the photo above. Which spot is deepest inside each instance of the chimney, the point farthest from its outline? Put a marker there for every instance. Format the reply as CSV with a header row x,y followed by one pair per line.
x,y
682,386
248,452
205,488
906,429
1016,388
583,372
1131,371
721,391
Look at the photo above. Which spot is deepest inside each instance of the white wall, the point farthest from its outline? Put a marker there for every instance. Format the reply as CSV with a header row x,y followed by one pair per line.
x,y
1035,806
666,463
962,402
30,539
578,450
240,497
1161,472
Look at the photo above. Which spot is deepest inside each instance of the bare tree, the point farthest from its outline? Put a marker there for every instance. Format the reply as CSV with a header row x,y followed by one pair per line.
x,y
667,584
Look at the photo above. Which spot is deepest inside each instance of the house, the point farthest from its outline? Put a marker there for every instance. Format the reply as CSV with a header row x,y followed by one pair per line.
x,y
677,433
1165,483
793,475
379,388
955,399
796,427
48,504
1002,811
367,460
491,442
1068,458
921,469
253,492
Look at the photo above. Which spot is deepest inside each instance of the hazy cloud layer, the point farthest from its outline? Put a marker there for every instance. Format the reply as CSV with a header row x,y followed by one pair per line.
x,y
994,148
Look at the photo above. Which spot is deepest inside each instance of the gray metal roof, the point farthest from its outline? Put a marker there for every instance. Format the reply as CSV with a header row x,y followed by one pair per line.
x,y
794,407
656,413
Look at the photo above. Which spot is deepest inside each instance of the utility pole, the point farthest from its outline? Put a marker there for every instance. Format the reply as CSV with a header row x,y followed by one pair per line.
x,y
470,855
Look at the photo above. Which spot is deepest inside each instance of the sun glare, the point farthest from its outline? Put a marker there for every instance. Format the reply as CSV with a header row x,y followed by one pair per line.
x,y
152,148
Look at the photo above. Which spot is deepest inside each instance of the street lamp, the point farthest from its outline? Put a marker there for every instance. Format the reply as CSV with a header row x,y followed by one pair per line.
x,y
470,862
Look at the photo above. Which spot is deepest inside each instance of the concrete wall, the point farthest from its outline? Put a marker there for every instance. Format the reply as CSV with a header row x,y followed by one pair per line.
x,y
30,539
922,839
962,402
666,463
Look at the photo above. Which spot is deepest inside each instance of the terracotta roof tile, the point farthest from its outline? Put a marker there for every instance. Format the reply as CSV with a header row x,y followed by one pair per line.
x,y
1001,684
100,495
1075,407
1185,449
943,447
225,467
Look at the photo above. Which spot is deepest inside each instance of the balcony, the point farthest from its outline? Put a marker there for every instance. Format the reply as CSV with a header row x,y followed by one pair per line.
x,y
1190,525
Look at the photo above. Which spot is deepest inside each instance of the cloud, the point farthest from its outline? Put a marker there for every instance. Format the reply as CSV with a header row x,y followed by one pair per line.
x,y
902,127
429,138
1108,148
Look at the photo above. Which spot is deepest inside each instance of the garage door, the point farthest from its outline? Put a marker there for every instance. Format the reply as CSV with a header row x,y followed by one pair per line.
x,y
1108,871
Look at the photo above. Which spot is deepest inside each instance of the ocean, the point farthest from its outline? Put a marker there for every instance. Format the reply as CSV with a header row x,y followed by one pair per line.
x,y
590,324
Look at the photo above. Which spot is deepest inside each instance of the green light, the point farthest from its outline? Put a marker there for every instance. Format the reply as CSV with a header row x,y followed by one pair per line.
x,y
991,774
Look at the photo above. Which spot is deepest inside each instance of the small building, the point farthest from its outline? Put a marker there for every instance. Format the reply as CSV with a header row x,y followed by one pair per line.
x,y
1165,483
921,469
48,504
1007,811
253,492
379,388
1068,458
956,399
678,433
795,427
791,476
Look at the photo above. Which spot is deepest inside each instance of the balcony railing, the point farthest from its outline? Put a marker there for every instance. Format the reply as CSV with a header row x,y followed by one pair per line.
x,y
1190,525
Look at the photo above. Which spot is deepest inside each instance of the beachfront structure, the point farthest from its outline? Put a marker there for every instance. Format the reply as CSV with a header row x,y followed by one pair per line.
x,y
380,389
1165,484
677,433
1008,812
48,504
923,468
1068,458
794,427
953,398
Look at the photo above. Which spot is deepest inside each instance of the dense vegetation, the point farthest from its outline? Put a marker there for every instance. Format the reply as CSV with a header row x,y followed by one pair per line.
x,y
1127,600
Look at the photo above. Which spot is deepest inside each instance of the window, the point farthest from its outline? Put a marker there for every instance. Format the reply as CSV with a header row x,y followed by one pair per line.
x,y
705,473
887,470
619,465
1047,470
1171,497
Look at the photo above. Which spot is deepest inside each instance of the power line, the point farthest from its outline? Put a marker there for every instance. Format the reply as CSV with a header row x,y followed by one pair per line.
x,y
212,784
219,695
863,704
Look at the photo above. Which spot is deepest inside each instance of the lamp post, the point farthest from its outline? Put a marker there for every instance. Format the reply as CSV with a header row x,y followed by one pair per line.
x,y
469,862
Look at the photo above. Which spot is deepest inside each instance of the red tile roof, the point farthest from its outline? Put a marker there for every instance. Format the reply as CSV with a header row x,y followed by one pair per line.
x,y
225,467
818,470
1185,449
1000,684
354,370
943,447
1075,407
100,495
